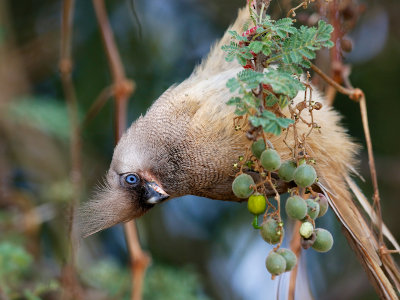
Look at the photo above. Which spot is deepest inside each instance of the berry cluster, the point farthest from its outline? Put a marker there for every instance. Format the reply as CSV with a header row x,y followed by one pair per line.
x,y
305,208
274,55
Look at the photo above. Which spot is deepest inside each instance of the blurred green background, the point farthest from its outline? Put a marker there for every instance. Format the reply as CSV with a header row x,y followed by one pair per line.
x,y
201,249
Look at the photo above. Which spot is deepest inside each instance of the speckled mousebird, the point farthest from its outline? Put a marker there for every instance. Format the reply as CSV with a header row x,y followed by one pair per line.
x,y
186,144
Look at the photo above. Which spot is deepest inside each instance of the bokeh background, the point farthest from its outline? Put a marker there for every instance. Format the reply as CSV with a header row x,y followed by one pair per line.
x,y
201,249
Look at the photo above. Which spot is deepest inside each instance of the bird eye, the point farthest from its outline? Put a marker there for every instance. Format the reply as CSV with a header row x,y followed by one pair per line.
x,y
131,179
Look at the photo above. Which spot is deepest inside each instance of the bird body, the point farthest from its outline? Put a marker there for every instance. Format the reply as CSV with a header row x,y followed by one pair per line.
x,y
186,144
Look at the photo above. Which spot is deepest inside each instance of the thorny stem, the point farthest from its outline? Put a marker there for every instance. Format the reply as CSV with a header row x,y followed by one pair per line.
x,y
122,90
358,96
69,282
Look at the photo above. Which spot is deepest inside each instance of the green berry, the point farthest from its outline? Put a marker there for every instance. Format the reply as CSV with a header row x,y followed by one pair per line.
x,y
256,204
289,257
271,232
323,204
304,175
241,186
258,147
323,241
275,263
270,160
306,229
312,208
296,207
286,170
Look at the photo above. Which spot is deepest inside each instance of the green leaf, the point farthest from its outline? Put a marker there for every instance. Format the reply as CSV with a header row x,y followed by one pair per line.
x,y
232,84
14,260
283,83
256,46
250,100
240,111
250,78
237,36
266,49
291,68
234,101
283,26
284,122
304,42
268,115
241,60
273,127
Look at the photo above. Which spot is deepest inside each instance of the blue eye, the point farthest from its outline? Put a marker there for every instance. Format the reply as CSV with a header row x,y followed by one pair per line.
x,y
131,179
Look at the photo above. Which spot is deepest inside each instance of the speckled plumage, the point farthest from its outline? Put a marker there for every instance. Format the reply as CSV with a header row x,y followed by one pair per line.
x,y
186,143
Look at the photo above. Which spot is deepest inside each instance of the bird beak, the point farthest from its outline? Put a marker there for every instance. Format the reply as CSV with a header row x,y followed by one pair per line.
x,y
154,193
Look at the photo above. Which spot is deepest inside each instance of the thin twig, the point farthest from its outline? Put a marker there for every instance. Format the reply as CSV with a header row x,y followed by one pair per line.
x,y
330,81
123,88
358,95
71,287
335,52
97,105
371,161
292,11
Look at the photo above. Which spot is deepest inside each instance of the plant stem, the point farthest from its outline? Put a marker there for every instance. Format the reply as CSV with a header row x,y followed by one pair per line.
x,y
70,285
358,96
122,90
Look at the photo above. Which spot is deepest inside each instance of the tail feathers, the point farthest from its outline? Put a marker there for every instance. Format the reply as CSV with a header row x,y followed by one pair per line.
x,y
370,212
383,273
215,62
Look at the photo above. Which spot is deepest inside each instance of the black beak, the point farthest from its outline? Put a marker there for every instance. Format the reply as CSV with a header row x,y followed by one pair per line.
x,y
154,193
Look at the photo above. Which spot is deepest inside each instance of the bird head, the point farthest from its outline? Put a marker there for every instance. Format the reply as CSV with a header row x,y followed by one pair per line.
x,y
130,188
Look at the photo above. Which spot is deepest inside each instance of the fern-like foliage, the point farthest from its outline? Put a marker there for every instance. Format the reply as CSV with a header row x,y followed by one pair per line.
x,y
286,52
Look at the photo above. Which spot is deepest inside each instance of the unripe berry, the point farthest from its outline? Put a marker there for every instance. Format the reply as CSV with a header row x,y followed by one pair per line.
x,y
271,232
286,170
256,204
275,263
296,207
304,175
270,160
241,186
289,257
258,147
312,208
323,241
323,204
